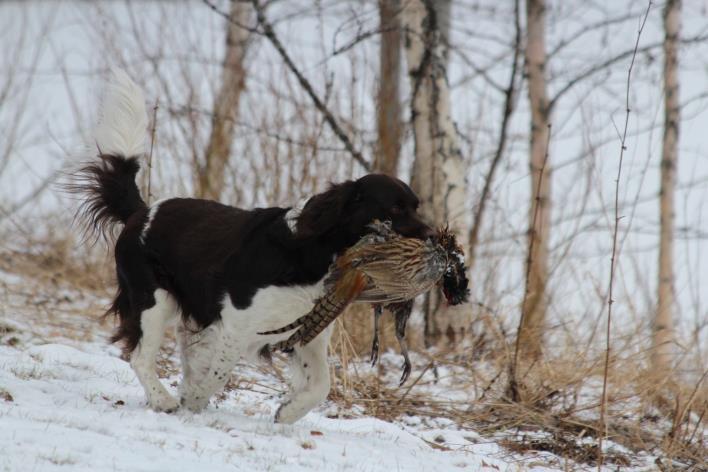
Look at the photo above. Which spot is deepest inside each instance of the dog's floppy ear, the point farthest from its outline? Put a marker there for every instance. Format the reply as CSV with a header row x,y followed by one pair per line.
x,y
324,212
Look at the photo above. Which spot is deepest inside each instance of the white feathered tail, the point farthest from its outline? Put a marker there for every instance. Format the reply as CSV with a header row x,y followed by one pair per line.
x,y
107,184
123,121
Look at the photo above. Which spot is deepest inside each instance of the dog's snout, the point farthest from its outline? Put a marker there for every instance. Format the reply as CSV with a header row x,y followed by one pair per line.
x,y
427,232
417,230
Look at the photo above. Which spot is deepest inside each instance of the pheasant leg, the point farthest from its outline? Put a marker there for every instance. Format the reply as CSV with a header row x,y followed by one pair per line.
x,y
402,313
378,310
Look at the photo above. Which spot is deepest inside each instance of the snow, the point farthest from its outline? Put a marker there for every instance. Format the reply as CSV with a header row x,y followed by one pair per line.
x,y
85,410
68,401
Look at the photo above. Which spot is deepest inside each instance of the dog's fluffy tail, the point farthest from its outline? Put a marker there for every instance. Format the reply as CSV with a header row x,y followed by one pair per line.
x,y
108,185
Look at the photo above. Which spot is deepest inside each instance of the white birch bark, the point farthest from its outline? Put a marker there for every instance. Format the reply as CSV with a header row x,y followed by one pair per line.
x,y
663,326
439,174
535,298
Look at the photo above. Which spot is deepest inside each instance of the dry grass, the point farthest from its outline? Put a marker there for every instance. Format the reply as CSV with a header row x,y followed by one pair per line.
x,y
559,408
58,259
466,385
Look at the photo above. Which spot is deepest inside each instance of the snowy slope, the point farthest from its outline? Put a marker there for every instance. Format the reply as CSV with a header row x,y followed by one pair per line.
x,y
69,409
69,402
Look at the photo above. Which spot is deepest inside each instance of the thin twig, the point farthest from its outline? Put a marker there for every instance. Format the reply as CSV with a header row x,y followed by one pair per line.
x,y
413,384
610,301
152,146
216,10
594,69
509,97
269,33
681,413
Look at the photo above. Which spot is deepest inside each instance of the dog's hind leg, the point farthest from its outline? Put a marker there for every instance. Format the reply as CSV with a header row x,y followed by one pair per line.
x,y
208,357
310,379
153,322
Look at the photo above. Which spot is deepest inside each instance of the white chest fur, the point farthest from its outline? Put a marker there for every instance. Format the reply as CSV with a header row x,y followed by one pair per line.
x,y
271,308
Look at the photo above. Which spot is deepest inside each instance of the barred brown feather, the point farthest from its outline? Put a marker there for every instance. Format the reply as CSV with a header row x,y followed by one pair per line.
x,y
383,267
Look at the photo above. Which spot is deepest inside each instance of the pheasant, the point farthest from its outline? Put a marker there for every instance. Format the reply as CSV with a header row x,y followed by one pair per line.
x,y
454,286
382,268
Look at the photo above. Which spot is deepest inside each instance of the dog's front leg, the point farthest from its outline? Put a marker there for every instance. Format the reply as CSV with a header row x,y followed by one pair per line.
x,y
310,379
208,357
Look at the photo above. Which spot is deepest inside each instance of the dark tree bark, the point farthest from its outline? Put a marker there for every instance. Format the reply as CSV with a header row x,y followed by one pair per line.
x,y
388,99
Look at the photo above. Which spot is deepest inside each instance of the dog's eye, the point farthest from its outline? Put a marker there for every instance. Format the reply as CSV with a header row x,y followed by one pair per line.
x,y
396,209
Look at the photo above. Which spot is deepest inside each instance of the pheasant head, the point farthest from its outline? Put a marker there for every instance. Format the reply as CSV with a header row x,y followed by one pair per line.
x,y
454,281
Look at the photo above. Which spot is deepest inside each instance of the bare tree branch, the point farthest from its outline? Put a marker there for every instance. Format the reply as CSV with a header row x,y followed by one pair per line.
x,y
509,98
269,33
231,20
610,300
588,29
589,72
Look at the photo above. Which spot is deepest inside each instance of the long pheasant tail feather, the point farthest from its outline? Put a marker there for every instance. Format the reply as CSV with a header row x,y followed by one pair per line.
x,y
286,344
291,326
312,318
326,311
329,307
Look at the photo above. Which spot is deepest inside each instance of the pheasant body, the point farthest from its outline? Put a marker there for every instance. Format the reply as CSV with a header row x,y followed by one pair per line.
x,y
383,268
389,271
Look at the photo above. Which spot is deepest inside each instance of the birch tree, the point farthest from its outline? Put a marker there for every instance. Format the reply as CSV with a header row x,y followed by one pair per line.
x,y
663,327
535,302
388,100
210,175
438,169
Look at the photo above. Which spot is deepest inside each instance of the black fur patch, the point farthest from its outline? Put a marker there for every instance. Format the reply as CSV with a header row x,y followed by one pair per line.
x,y
110,194
201,251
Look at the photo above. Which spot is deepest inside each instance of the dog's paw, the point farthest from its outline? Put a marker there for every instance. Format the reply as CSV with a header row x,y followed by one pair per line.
x,y
164,403
287,413
195,404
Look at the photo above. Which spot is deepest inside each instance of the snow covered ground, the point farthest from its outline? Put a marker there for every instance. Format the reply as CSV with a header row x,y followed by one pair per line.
x,y
71,409
68,402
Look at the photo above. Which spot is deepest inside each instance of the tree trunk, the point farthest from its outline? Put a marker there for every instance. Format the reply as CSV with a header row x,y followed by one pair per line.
x,y
389,104
442,9
535,297
438,170
663,329
211,173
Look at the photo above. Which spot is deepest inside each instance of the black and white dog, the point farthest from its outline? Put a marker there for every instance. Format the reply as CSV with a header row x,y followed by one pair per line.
x,y
230,273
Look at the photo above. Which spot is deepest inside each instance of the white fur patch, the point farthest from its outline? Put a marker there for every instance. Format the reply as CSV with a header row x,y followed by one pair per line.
x,y
210,355
151,216
122,126
271,308
153,323
294,213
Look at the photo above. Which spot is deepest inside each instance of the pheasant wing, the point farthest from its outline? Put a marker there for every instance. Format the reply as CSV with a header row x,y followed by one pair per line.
x,y
401,269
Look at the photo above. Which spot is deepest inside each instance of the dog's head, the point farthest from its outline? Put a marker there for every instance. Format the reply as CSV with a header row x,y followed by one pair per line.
x,y
345,210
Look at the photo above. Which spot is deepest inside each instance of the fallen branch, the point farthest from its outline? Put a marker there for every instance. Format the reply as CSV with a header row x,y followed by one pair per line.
x,y
148,195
